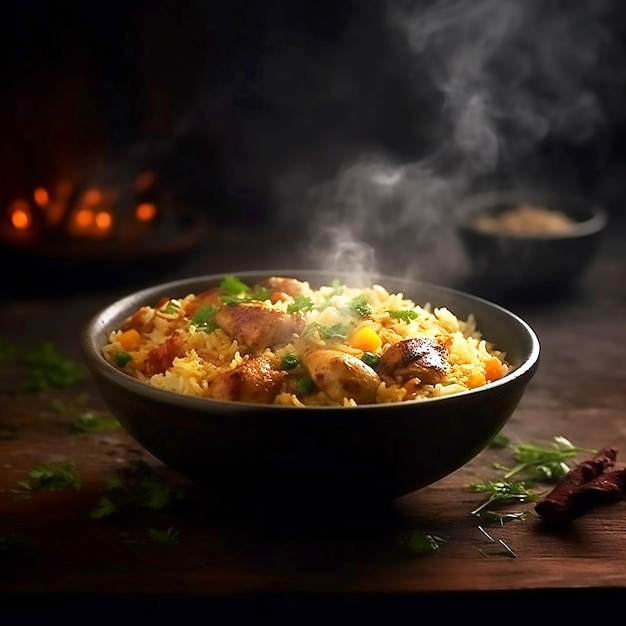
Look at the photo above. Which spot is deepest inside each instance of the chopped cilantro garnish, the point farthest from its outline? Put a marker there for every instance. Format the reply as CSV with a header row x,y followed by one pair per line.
x,y
300,303
405,316
171,307
337,286
204,318
360,305
233,286
338,331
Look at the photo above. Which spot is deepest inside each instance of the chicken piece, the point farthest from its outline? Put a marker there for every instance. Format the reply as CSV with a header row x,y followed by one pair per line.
x,y
421,357
257,326
341,375
290,286
255,380
162,357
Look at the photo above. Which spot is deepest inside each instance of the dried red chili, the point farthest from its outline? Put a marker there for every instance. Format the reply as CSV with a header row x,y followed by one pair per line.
x,y
584,487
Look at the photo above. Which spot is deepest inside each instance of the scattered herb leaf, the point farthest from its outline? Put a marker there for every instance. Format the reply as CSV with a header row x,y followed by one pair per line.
x,y
50,369
503,491
145,489
543,463
417,543
52,477
167,536
90,422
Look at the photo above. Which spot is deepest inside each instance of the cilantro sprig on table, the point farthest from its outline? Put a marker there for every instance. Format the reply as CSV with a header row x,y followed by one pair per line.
x,y
52,477
143,489
45,367
521,482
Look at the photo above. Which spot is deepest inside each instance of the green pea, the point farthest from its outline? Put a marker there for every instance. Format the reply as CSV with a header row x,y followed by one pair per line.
x,y
290,361
121,358
371,359
306,385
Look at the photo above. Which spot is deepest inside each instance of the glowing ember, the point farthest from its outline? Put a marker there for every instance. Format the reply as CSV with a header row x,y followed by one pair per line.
x,y
121,212
145,212
20,215
103,220
41,197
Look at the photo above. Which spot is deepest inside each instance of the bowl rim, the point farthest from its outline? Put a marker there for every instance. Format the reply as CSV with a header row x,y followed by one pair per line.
x,y
487,201
92,338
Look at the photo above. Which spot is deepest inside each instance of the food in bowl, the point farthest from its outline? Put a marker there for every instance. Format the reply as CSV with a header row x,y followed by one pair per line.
x,y
526,219
280,341
321,457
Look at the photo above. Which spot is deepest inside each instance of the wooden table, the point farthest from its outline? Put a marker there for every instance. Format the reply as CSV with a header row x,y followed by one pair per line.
x,y
296,569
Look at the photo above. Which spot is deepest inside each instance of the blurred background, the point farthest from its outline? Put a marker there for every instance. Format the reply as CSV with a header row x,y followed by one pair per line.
x,y
133,131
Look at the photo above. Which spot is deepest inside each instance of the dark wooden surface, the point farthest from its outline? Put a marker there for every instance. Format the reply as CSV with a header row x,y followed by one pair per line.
x,y
304,566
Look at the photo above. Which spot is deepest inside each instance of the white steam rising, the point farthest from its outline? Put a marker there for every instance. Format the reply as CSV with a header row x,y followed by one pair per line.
x,y
507,74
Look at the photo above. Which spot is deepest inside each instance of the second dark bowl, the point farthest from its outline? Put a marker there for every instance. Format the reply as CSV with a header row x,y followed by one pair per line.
x,y
506,262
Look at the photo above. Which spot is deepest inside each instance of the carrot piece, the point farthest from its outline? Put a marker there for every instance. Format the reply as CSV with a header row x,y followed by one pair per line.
x,y
366,339
130,339
475,379
493,369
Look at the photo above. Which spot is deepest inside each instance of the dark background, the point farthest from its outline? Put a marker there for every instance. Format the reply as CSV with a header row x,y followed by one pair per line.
x,y
245,106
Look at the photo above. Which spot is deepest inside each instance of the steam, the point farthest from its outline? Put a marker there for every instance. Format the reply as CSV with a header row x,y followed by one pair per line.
x,y
504,76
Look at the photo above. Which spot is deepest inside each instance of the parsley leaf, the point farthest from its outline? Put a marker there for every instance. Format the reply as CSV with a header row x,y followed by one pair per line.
x,y
503,491
50,369
167,536
204,318
417,543
233,286
145,489
300,303
360,305
405,316
89,422
52,477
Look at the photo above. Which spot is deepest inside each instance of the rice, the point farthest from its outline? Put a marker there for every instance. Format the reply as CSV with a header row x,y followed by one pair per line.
x,y
283,342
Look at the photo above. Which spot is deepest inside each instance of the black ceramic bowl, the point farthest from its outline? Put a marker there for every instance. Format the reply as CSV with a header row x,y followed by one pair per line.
x,y
520,259
375,452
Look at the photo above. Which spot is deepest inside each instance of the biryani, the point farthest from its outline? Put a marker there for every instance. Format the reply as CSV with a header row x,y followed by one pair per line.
x,y
282,342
